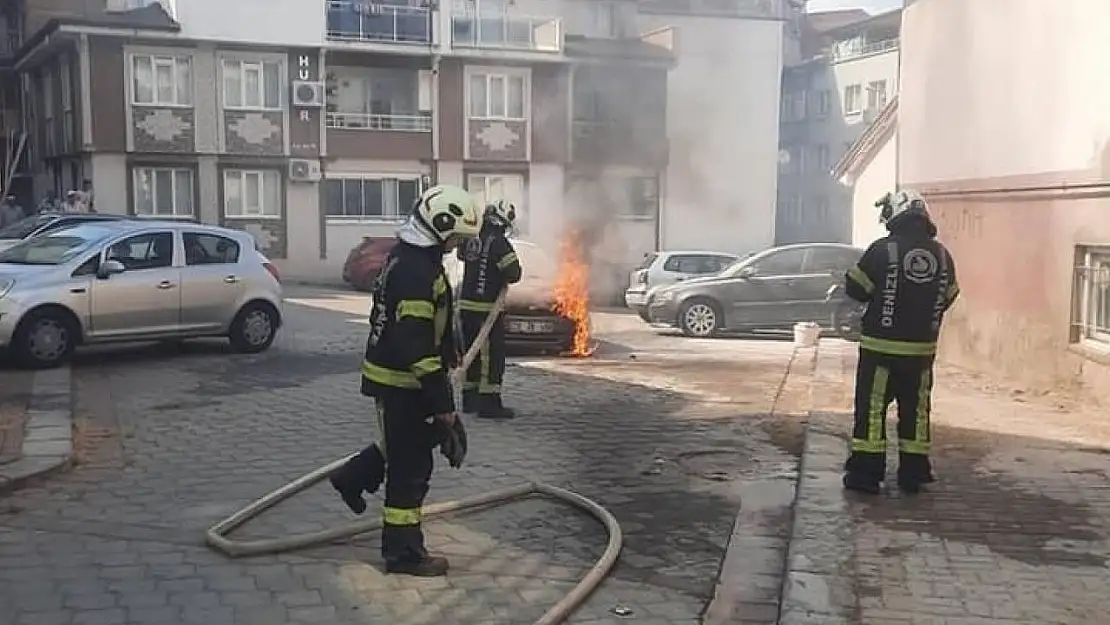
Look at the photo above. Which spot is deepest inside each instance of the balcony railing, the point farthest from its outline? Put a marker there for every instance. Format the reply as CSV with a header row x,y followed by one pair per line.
x,y
359,20
537,34
845,50
371,121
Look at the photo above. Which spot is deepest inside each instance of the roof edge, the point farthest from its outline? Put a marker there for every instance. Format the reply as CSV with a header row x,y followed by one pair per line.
x,y
865,148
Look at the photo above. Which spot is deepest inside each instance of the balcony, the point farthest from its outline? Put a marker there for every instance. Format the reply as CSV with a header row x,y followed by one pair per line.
x,y
369,22
371,121
857,48
503,32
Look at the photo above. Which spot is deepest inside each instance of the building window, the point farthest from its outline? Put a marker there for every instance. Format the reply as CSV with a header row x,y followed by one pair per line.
x,y
163,191
497,96
161,80
252,85
876,94
820,214
824,103
853,99
487,188
794,106
371,199
1091,297
821,157
252,194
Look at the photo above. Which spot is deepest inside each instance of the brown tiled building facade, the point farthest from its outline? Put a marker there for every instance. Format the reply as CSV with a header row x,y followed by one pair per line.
x,y
312,148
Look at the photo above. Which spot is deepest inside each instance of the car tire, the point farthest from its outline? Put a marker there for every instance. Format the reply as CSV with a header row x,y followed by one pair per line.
x,y
700,318
44,339
254,329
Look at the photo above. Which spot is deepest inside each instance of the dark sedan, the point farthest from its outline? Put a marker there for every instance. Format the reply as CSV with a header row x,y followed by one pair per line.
x,y
771,290
46,222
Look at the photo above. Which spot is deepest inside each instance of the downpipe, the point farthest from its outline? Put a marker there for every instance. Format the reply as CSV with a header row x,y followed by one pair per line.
x,y
217,536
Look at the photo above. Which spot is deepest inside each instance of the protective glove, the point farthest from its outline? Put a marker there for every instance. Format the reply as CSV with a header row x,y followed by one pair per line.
x,y
453,443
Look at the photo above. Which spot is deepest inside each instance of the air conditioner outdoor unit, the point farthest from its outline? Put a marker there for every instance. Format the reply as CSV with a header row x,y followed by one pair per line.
x,y
308,94
304,170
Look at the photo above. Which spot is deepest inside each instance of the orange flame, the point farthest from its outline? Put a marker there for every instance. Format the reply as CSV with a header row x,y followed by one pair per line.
x,y
572,293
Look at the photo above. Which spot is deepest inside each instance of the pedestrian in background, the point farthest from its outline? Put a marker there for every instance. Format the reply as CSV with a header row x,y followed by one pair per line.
x,y
10,211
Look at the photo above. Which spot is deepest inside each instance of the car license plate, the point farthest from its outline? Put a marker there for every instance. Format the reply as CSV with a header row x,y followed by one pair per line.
x,y
531,327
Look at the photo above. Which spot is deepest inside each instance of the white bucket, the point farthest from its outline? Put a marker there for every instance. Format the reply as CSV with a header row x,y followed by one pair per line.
x,y
806,334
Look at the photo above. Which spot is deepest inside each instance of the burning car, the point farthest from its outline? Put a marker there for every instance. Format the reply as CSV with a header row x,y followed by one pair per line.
x,y
536,312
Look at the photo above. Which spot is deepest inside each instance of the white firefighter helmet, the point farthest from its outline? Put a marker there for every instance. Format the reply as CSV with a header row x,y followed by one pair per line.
x,y
899,203
441,213
501,213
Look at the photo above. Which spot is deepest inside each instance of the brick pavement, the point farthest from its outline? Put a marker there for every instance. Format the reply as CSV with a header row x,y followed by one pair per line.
x,y
15,396
1017,530
168,445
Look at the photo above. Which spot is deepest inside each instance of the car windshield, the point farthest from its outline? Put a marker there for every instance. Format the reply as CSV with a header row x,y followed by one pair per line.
x,y
55,248
23,227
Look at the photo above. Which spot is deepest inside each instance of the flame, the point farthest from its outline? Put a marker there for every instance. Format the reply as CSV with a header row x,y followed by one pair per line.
x,y
572,294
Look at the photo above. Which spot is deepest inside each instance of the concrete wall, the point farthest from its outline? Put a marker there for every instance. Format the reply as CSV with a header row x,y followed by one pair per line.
x,y
1023,125
722,122
875,179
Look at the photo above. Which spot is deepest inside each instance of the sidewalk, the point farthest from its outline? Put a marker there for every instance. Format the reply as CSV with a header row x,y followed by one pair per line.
x,y
1017,529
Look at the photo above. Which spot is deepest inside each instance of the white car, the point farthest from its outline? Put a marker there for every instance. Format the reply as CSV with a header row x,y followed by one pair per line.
x,y
660,269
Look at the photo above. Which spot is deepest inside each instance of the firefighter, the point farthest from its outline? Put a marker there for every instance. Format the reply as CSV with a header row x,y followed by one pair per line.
x,y
908,281
408,353
491,265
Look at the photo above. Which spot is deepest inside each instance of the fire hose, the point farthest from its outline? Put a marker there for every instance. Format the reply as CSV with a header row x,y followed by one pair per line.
x,y
216,536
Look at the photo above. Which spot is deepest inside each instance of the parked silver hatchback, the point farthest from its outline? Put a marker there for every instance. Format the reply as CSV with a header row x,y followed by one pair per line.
x,y
121,281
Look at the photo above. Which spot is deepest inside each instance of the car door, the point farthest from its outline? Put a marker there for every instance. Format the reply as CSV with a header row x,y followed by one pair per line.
x,y
146,298
212,286
766,295
824,266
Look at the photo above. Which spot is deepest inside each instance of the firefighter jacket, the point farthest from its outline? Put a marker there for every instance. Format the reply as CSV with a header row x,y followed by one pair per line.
x,y
411,343
491,265
908,281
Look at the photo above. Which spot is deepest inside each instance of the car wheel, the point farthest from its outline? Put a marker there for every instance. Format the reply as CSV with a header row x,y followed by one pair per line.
x,y
254,329
44,340
700,318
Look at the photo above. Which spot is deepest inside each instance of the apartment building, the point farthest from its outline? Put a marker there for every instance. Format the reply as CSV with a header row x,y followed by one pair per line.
x,y
1012,150
315,123
722,119
828,103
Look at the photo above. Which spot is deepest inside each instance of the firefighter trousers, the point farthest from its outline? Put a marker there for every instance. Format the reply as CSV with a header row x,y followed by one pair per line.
x,y
488,369
907,380
407,439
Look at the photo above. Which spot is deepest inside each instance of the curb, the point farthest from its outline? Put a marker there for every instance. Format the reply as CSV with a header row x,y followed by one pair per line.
x,y
48,441
818,587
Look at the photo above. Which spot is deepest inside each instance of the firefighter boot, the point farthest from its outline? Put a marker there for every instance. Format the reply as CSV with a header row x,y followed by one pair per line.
x,y
427,566
864,473
913,471
490,407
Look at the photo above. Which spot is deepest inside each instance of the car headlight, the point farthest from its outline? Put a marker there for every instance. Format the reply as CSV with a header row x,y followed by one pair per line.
x,y
6,286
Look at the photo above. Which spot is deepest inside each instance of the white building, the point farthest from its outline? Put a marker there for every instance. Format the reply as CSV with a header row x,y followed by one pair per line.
x,y
828,102
870,169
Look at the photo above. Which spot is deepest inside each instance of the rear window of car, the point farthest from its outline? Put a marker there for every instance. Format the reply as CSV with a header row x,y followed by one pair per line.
x,y
695,263
210,249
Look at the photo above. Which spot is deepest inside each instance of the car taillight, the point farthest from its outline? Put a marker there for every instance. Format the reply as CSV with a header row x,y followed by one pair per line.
x,y
642,278
273,271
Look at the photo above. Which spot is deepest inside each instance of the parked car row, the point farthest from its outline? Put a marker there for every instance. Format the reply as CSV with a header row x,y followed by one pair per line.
x,y
771,290
42,223
113,279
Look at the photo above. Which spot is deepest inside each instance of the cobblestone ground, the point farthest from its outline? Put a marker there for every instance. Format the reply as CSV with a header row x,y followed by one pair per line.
x,y
1017,530
168,443
14,395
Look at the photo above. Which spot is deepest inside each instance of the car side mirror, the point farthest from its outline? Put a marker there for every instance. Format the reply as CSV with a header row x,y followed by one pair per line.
x,y
110,268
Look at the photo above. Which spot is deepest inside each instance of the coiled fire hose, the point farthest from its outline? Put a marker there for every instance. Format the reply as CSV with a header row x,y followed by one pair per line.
x,y
216,536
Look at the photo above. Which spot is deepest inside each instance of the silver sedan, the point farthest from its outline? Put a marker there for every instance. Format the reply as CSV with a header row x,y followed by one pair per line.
x,y
126,281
